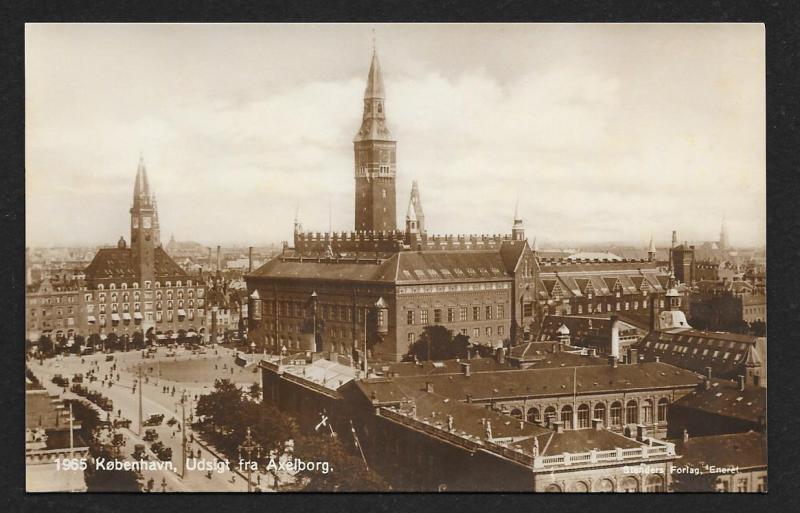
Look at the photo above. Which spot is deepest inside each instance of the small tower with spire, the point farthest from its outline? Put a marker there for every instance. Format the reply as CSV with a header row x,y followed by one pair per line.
x,y
144,229
518,229
416,201
651,250
375,160
412,225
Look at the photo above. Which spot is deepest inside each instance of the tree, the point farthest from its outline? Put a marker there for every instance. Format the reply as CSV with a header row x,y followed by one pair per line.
x,y
112,341
348,474
220,409
438,343
255,392
137,340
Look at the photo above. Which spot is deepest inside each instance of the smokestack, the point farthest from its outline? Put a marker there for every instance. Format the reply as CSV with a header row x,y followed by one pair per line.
x,y
209,259
653,312
674,238
219,260
429,387
615,336
741,382
250,259
466,368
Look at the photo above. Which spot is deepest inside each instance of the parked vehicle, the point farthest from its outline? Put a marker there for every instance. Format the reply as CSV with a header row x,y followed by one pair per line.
x,y
150,435
154,420
139,452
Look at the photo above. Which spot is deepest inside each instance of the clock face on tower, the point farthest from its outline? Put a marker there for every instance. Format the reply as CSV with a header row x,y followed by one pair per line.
x,y
145,222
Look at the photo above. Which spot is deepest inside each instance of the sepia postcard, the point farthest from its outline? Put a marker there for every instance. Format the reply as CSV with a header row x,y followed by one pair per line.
x,y
395,257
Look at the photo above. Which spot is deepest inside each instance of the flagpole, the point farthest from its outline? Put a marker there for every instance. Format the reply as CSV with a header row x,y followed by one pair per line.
x,y
358,444
71,439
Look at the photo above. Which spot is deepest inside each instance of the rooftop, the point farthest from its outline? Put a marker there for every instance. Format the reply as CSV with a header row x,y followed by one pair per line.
x,y
743,450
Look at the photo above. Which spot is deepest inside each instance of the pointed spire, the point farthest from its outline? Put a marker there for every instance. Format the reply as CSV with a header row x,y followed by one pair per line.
x,y
141,187
374,79
535,247
651,248
411,214
516,209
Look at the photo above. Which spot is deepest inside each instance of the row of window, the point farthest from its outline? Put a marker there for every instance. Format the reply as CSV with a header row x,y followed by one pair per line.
x,y
476,333
489,312
69,299
148,306
147,284
466,287
631,414
654,483
102,296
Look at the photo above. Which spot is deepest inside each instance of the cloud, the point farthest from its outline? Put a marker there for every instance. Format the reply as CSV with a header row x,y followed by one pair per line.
x,y
593,153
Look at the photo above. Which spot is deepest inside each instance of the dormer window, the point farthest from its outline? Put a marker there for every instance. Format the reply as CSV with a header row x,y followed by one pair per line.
x,y
124,286
113,286
136,284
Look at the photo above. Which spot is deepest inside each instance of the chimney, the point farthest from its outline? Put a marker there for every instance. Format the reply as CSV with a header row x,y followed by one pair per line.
x,y
597,424
466,368
741,382
633,356
593,352
653,312
250,259
685,435
708,373
658,358
615,336
219,261
209,259
707,383
500,355
641,432
558,426
429,387
469,398
612,361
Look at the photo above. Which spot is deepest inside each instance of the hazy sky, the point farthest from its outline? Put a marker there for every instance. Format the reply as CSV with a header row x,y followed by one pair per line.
x,y
604,132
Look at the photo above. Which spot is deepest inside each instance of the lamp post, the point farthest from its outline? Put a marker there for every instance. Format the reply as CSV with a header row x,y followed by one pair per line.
x,y
249,446
183,432
314,319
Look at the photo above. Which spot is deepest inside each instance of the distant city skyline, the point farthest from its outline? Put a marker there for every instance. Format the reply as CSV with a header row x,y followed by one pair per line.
x,y
605,133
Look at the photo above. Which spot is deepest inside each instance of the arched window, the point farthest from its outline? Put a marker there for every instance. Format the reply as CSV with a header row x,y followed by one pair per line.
x,y
616,414
629,485
549,414
553,488
605,486
124,286
100,286
533,415
113,286
566,416
655,484
583,416
517,413
631,412
178,283
662,409
647,411
600,412
578,487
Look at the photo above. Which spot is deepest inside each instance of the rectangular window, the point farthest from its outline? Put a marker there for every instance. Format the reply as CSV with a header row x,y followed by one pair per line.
x,y
476,313
437,315
501,311
410,338
489,313
451,315
476,333
527,310
424,316
488,331
501,330
410,317
462,313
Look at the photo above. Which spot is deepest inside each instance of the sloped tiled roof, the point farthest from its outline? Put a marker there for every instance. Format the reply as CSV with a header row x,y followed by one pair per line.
x,y
118,264
743,450
724,398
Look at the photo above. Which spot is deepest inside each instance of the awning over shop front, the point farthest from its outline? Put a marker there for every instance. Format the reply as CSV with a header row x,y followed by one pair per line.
x,y
126,316
181,312
161,336
91,319
137,315
115,317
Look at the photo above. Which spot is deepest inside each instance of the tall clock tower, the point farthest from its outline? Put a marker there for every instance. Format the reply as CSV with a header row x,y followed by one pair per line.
x,y
144,228
375,160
